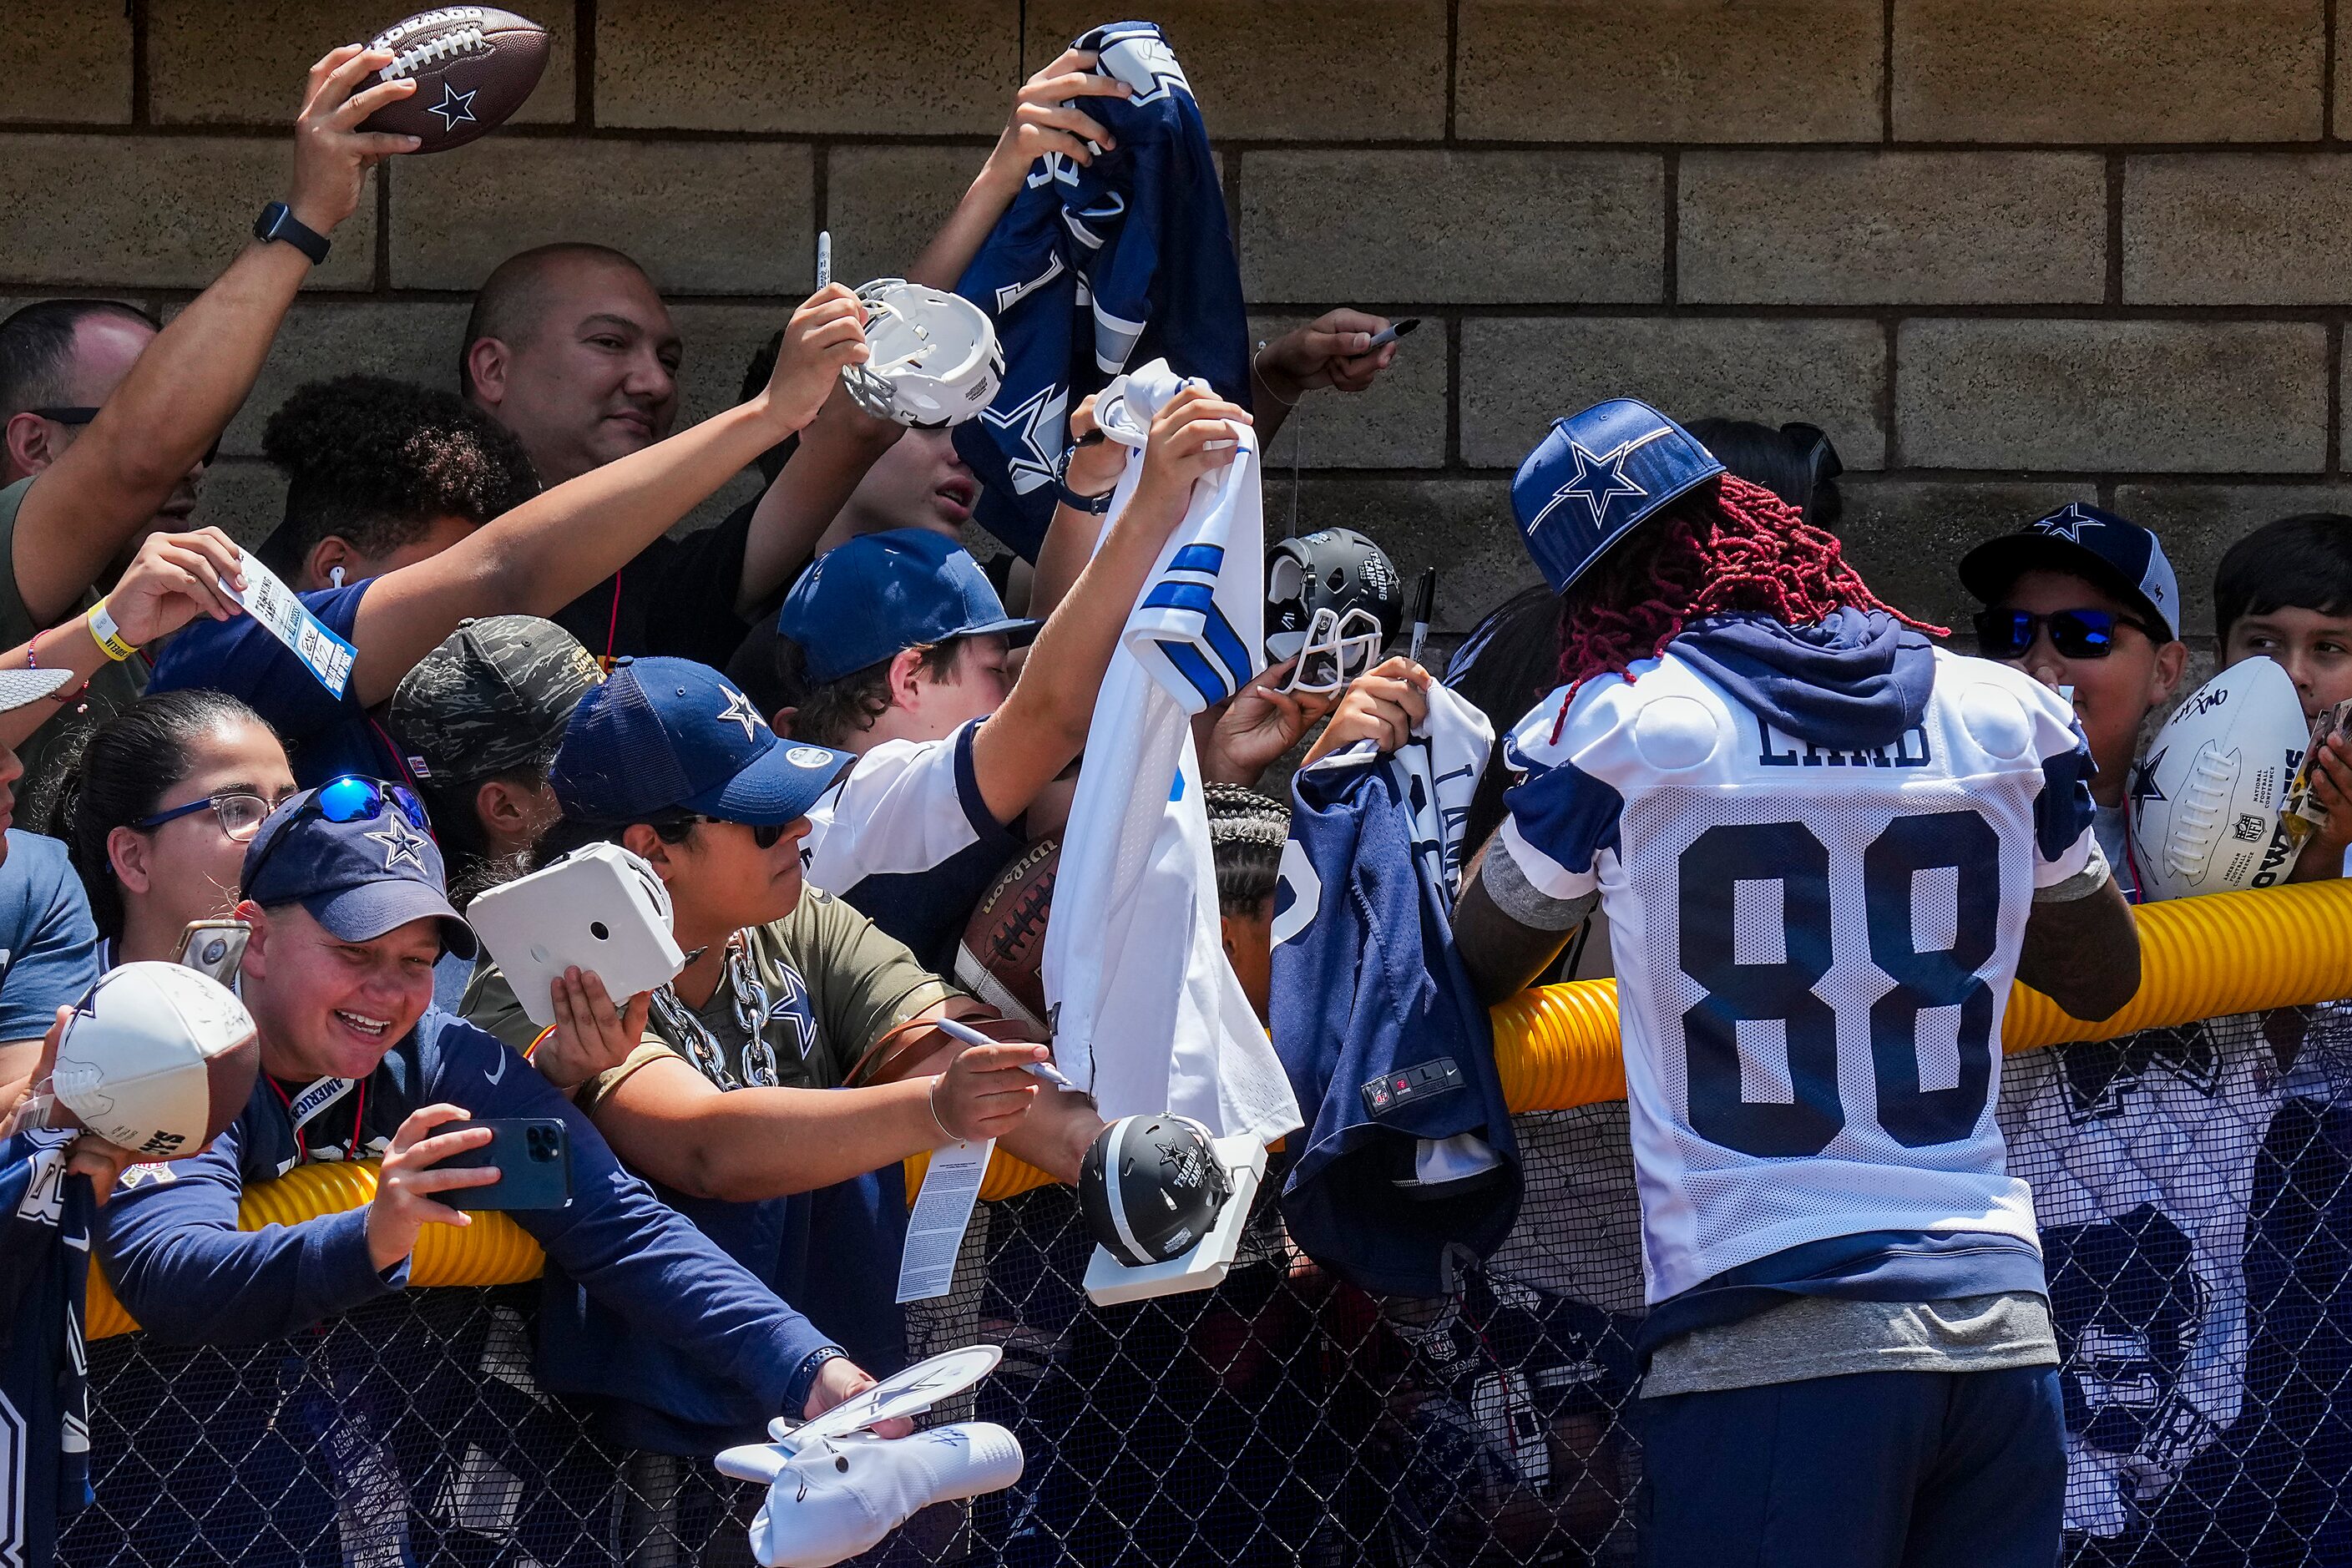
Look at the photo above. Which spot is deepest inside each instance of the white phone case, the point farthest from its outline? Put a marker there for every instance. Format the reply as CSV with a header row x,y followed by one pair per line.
x,y
600,908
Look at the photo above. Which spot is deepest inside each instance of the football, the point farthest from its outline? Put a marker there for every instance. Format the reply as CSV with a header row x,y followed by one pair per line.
x,y
473,65
1001,957
2205,803
157,1058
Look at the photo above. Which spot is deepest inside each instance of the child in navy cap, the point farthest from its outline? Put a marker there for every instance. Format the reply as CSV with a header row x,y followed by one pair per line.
x,y
2084,600
344,889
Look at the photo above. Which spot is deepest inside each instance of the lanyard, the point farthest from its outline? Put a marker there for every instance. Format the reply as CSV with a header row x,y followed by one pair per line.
x,y
359,1115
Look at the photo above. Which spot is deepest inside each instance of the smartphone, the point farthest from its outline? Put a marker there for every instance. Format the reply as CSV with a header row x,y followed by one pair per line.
x,y
214,948
532,1155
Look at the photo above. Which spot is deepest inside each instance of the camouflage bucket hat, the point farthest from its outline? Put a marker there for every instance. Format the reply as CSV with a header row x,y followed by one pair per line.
x,y
494,697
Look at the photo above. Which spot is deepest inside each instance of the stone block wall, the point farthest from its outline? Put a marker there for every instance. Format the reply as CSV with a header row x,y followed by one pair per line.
x,y
2008,252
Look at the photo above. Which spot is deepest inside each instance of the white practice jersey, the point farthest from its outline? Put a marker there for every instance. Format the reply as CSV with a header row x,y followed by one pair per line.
x,y
1814,948
1147,1014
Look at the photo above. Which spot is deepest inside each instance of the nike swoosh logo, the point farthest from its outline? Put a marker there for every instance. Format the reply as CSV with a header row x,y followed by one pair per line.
x,y
494,1077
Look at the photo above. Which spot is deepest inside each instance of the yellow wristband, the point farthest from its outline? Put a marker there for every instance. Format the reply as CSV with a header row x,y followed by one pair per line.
x,y
108,636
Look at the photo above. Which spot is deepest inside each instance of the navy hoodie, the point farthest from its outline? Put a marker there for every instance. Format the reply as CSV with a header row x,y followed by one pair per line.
x,y
177,1260
1095,268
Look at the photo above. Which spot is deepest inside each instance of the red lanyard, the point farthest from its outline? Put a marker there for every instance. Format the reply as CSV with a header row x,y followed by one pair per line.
x,y
301,1147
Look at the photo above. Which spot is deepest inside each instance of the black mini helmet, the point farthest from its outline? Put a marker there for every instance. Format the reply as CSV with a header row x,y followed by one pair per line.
x,y
1150,1187
1336,568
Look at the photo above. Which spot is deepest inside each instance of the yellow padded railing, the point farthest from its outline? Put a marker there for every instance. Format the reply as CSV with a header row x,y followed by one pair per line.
x,y
1557,1047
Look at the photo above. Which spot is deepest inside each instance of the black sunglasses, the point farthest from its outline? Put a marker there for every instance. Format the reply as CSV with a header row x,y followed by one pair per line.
x,y
767,835
2076,634
350,798
75,415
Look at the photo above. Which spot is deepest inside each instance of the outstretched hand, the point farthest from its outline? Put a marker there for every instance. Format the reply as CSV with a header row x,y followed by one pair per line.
x,y
173,579
1334,350
1261,722
331,154
825,336
1044,120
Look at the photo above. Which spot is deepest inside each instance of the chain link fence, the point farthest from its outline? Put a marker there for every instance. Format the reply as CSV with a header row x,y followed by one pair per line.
x,y
2194,1186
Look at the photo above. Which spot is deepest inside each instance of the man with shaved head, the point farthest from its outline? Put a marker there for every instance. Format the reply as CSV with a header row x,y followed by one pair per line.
x,y
571,347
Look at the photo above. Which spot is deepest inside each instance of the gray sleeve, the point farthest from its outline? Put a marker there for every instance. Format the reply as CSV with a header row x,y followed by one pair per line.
x,y
1523,900
2081,884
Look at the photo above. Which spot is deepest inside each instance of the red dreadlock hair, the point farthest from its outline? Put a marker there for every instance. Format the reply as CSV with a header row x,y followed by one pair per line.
x,y
1733,546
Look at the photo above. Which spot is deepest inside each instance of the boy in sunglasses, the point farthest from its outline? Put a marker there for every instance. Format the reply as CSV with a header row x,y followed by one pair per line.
x,y
2086,600
344,889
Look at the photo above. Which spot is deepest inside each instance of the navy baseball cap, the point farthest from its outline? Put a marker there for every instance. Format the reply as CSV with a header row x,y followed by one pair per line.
x,y
358,879
1596,478
2114,552
669,734
863,601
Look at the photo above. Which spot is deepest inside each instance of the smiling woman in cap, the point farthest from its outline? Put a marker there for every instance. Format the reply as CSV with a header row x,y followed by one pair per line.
x,y
344,889
751,1081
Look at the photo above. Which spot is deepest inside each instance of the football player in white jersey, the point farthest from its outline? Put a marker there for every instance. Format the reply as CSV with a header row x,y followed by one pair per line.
x,y
1824,847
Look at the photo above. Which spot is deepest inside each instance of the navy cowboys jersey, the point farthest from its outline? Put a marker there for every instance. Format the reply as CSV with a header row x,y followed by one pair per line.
x,y
1814,947
45,1218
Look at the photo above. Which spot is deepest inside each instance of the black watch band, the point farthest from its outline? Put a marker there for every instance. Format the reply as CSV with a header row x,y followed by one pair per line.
x,y
277,222
1093,505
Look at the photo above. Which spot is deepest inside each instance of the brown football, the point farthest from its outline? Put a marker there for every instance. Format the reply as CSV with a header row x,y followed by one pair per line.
x,y
474,66
1003,947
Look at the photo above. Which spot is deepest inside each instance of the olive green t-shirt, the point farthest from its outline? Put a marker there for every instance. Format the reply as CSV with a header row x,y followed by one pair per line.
x,y
114,687
828,984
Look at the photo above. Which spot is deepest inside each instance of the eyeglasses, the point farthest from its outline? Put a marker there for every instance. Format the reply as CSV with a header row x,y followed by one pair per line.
x,y
350,798
76,415
2076,634
241,813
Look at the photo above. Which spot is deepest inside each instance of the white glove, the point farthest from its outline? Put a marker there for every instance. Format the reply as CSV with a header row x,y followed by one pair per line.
x,y
838,1496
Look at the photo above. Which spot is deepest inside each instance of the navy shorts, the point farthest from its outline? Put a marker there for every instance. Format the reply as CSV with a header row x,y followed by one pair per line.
x,y
1882,1469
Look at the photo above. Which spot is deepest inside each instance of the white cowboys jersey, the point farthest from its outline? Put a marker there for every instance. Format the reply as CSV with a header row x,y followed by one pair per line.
x,y
1147,1014
1813,949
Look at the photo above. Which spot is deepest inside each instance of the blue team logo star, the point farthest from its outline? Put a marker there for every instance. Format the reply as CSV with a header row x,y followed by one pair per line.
x,y
401,844
791,1010
739,710
2143,786
454,107
2069,523
1038,423
1598,481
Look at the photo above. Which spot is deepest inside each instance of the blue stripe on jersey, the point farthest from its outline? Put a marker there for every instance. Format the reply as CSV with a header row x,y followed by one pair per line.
x,y
1566,813
1206,559
1188,662
1201,596
2064,810
1226,644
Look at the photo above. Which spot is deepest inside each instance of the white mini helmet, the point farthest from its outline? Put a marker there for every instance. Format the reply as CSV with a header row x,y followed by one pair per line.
x,y
935,361
157,1058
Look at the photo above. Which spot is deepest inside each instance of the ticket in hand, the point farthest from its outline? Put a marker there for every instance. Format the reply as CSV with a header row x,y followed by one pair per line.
x,y
269,600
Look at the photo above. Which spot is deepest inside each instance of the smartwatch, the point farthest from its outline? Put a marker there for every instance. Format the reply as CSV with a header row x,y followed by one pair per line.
x,y
1093,505
277,222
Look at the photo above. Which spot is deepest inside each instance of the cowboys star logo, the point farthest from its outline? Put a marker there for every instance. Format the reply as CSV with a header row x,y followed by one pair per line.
x,y
1598,480
1038,424
739,710
2143,788
792,1010
2068,523
454,107
401,844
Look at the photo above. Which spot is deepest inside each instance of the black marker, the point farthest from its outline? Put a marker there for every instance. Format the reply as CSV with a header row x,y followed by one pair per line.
x,y
1391,333
1425,600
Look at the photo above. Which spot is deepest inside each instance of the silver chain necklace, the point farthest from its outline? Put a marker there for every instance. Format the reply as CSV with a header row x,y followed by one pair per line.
x,y
749,999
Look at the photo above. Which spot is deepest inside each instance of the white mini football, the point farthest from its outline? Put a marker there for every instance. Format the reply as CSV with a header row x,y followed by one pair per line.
x,y
157,1058
2205,803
